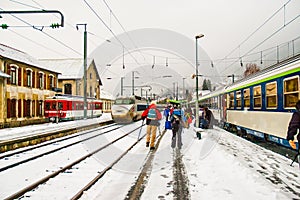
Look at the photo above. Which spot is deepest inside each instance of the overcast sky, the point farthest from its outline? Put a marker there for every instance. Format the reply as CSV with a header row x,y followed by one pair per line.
x,y
225,23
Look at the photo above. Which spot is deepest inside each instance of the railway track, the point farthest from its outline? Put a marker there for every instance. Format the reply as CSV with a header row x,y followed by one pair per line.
x,y
28,185
43,136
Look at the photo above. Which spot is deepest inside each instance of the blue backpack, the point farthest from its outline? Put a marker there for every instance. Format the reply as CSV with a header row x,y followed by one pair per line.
x,y
152,114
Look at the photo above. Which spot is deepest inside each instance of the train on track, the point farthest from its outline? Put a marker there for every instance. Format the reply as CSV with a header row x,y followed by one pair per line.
x,y
69,107
261,104
127,109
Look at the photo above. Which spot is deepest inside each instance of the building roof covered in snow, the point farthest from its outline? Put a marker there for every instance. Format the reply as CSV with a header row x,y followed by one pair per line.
x,y
71,68
22,57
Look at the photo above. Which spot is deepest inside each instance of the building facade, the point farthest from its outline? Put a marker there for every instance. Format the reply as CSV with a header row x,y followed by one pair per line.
x,y
71,77
24,88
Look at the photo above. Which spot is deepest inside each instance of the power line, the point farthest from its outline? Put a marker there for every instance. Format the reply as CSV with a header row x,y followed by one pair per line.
x,y
59,53
110,30
264,23
123,28
41,30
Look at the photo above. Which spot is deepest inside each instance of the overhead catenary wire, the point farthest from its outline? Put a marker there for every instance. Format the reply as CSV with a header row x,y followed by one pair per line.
x,y
41,7
111,11
48,35
263,24
103,22
33,41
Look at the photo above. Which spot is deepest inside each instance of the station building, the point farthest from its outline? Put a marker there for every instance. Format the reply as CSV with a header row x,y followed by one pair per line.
x,y
24,85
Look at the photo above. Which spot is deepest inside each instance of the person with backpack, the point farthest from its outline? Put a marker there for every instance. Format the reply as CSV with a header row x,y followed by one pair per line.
x,y
176,121
294,125
152,116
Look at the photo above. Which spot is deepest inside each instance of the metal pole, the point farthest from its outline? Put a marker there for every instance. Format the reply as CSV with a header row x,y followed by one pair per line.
x,y
183,92
84,70
174,93
197,98
84,76
132,82
197,105
177,91
121,86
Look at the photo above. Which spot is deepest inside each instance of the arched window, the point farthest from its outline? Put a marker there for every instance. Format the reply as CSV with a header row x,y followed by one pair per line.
x,y
41,80
51,81
28,77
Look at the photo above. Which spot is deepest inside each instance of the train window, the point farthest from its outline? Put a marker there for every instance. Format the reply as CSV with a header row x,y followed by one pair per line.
x,y
124,101
141,107
271,95
47,105
54,106
257,96
97,106
231,100
238,99
291,91
60,105
247,97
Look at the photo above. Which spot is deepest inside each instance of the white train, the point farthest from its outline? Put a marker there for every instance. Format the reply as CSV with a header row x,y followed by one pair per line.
x,y
128,109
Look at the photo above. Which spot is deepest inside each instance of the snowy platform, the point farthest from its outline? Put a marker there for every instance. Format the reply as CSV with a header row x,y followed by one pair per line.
x,y
219,166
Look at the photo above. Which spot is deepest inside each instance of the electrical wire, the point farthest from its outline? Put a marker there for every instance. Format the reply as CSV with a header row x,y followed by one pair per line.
x,y
103,22
48,35
58,53
285,24
265,22
111,11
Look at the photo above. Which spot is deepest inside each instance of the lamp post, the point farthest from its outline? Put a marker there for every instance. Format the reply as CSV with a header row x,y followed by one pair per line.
x,y
132,82
122,85
197,103
183,92
84,70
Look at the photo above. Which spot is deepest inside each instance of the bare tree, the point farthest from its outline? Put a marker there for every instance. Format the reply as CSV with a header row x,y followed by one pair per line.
x,y
251,68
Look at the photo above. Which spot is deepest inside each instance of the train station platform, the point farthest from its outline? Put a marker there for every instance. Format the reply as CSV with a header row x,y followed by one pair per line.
x,y
220,165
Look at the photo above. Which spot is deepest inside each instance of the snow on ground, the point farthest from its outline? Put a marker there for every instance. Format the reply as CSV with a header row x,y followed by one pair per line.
x,y
219,166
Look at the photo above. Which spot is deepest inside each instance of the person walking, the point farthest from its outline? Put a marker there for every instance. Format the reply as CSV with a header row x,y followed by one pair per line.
x,y
152,116
294,126
167,113
176,120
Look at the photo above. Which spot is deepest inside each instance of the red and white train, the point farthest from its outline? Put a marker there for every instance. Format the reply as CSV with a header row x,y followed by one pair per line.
x,y
67,107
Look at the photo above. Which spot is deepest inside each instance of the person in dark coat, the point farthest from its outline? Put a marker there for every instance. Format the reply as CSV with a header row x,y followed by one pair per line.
x,y
294,125
207,120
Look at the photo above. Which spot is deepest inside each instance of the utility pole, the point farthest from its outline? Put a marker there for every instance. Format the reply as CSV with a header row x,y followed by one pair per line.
x,y
84,69
197,97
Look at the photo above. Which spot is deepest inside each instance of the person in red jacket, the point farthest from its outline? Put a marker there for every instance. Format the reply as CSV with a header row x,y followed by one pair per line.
x,y
152,116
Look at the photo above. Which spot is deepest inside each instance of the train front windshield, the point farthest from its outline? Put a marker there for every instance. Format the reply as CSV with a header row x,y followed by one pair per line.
x,y
124,101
